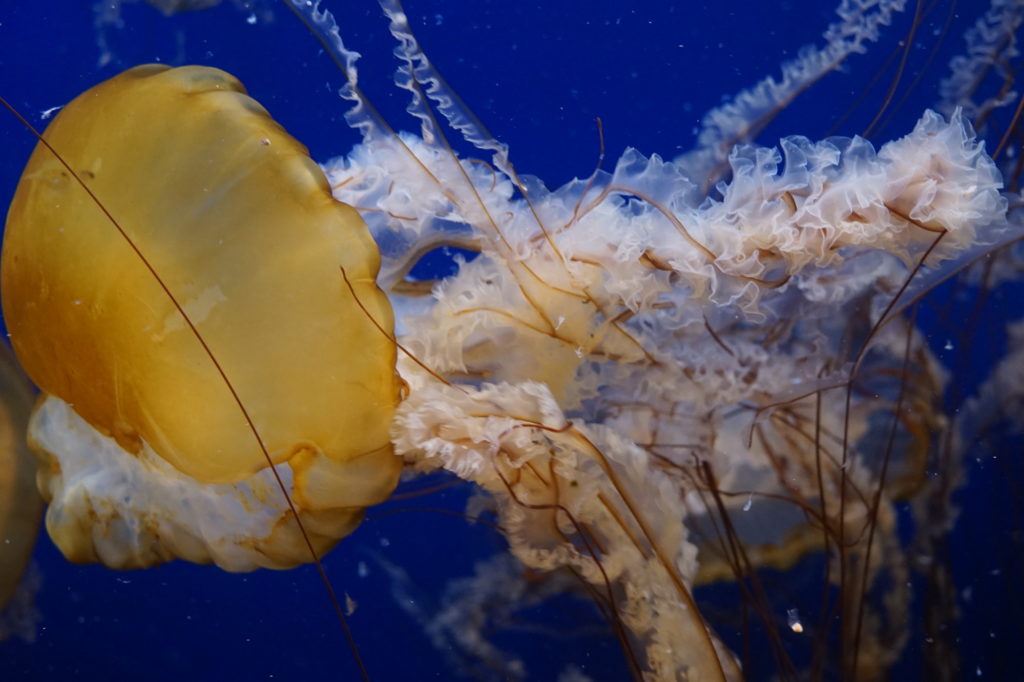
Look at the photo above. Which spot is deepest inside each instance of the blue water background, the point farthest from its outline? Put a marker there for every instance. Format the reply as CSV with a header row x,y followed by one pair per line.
x,y
538,74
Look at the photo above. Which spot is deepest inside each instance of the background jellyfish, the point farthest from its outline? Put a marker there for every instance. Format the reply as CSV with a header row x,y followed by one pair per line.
x,y
577,134
22,506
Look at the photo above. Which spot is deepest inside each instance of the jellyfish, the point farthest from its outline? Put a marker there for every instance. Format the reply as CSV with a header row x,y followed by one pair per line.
x,y
154,352
701,370
21,507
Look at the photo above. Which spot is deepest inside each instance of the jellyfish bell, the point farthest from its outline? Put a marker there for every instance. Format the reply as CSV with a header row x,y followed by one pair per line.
x,y
201,272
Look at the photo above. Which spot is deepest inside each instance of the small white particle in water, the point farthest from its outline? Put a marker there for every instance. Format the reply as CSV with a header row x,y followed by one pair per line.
x,y
251,19
265,142
362,570
78,302
978,671
750,502
948,346
47,113
384,542
579,352
793,618
350,605
559,321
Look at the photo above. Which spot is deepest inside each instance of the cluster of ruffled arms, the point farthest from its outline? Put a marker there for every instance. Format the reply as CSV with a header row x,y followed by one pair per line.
x,y
614,329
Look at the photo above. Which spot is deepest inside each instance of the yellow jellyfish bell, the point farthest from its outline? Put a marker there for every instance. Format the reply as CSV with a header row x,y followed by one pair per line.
x,y
146,454
20,504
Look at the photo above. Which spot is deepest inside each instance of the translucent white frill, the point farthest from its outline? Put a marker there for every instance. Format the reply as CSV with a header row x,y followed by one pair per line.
x,y
619,330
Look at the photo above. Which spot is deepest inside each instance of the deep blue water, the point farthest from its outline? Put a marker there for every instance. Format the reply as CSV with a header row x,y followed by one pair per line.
x,y
537,73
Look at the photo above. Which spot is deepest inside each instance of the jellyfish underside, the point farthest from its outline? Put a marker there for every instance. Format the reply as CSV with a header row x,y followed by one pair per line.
x,y
232,249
